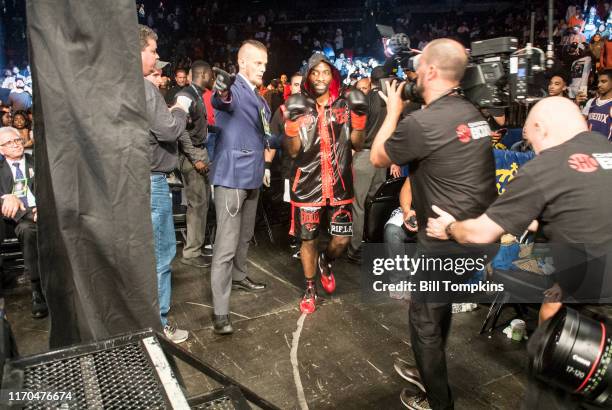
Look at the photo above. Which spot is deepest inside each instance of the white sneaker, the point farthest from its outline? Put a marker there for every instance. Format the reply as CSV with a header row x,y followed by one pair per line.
x,y
174,334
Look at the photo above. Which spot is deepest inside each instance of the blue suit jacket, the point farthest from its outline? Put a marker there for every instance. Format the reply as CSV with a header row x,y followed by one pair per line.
x,y
239,159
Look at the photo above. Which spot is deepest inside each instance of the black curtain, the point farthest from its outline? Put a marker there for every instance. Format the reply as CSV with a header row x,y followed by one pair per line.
x,y
92,169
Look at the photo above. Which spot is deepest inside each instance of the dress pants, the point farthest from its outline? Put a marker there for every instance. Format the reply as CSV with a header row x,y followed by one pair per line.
x,y
366,181
26,232
236,211
197,190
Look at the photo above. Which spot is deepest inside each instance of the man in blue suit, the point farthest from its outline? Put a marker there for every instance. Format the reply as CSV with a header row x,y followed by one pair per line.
x,y
242,117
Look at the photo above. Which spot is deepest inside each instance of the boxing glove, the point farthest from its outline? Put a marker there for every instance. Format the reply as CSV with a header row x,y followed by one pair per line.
x,y
357,102
224,80
298,105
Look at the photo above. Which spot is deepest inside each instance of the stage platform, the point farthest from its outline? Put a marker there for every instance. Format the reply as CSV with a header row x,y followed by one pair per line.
x,y
346,349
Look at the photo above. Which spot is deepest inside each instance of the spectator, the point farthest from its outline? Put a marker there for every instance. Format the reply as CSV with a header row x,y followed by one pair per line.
x,y
606,54
22,124
19,208
595,49
597,110
401,229
19,99
6,117
339,41
576,19
557,86
180,81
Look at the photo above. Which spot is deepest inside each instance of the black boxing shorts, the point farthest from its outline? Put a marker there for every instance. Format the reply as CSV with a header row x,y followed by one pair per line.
x,y
305,221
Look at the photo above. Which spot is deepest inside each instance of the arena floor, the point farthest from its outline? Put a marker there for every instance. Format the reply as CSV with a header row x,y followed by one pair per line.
x,y
345,350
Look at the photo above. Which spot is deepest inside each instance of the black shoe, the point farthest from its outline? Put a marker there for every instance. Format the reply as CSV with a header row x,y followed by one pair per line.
x,y
198,261
222,325
248,285
409,372
414,401
208,252
39,305
354,258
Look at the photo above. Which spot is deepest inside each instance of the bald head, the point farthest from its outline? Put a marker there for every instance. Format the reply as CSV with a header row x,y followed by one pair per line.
x,y
252,61
363,85
552,121
448,56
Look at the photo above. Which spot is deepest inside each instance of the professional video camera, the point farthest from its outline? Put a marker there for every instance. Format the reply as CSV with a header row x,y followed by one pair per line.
x,y
401,59
500,74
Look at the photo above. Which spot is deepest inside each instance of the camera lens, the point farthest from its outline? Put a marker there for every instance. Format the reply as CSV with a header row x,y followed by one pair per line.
x,y
575,355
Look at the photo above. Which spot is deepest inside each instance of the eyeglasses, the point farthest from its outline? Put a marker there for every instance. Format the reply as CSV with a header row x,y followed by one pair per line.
x,y
14,142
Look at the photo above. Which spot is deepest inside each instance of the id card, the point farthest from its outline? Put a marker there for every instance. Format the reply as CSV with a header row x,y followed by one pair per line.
x,y
266,127
20,188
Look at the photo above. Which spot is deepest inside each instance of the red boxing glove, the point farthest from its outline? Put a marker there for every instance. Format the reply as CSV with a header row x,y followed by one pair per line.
x,y
358,122
292,128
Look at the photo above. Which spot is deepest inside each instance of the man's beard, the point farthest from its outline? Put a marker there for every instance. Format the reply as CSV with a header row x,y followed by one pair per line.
x,y
318,93
419,88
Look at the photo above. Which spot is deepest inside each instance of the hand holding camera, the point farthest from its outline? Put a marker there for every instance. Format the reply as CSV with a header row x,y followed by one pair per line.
x,y
392,96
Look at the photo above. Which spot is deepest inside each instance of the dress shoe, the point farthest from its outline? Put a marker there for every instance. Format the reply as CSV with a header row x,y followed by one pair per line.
x,y
248,285
39,305
207,252
222,325
409,372
198,261
414,401
353,258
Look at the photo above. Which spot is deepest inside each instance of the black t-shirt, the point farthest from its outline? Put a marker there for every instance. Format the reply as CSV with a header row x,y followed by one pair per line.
x,y
567,188
447,145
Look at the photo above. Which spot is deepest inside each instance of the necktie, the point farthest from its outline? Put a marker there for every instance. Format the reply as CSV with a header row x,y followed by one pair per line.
x,y
20,185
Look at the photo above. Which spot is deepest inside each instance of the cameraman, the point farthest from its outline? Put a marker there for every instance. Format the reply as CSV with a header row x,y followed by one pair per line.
x,y
451,162
566,188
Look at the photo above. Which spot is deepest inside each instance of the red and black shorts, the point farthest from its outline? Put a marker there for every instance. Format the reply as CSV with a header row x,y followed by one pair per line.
x,y
305,221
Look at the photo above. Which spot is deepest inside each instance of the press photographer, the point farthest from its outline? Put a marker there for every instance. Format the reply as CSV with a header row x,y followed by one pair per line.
x,y
448,148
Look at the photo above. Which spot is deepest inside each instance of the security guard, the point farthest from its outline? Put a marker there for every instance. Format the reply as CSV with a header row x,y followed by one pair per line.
x,y
194,166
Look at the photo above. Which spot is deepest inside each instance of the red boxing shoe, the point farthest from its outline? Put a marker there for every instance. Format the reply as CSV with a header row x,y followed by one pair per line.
x,y
327,277
309,302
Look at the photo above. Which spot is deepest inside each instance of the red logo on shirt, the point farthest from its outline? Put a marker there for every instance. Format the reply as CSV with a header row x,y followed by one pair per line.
x,y
583,163
464,134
